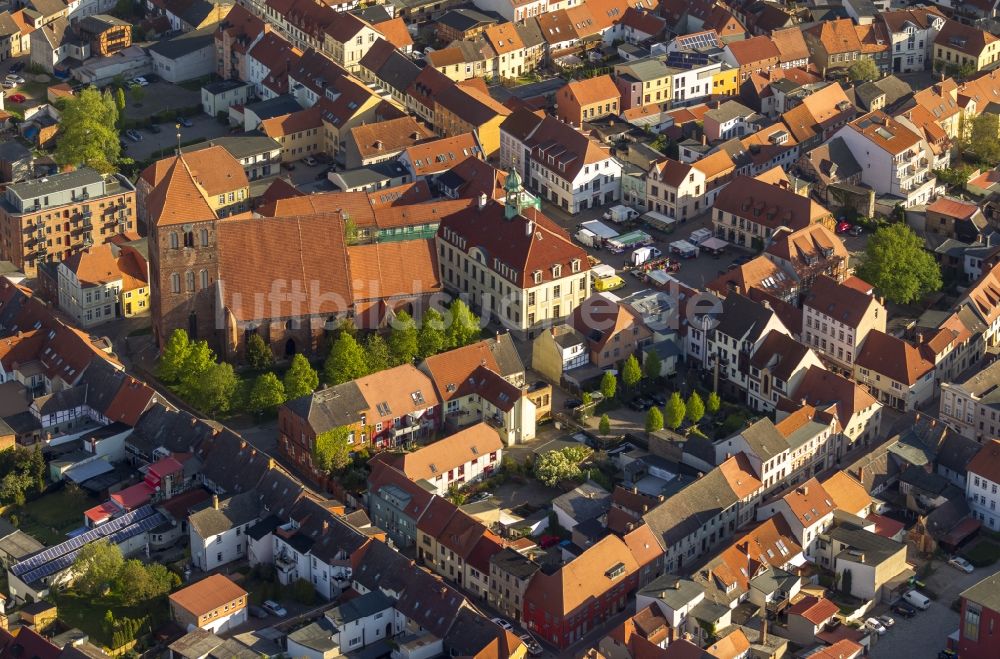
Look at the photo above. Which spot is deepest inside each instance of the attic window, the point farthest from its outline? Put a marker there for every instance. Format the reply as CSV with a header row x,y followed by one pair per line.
x,y
433,468
781,547
557,270
617,570
418,398
450,388
537,276
383,408
575,265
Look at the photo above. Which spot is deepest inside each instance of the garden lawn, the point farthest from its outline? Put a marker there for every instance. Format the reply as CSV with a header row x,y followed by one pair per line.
x,y
86,614
983,553
50,517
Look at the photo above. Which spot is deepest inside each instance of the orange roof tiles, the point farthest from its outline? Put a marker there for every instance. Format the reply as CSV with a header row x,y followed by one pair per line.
x,y
753,50
731,646
893,357
846,493
296,122
791,44
809,502
207,595
838,36
376,272
503,38
94,266
739,474
178,198
885,132
986,462
431,461
386,137
816,610
395,32
963,38
436,156
593,90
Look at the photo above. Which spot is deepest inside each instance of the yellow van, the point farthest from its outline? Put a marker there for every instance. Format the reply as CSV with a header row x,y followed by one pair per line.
x,y
612,283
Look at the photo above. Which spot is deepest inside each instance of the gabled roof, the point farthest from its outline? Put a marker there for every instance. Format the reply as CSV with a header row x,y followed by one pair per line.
x,y
755,49
885,132
963,38
329,408
592,90
791,44
206,595
893,357
179,198
809,502
847,493
780,354
773,206
986,462
845,304
743,319
816,610
821,388
837,36
694,505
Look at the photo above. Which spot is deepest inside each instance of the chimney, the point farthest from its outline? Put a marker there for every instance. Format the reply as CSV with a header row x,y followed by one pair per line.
x,y
529,228
482,201
804,490
704,139
215,501
326,525
763,631
920,337
645,508
728,455
861,474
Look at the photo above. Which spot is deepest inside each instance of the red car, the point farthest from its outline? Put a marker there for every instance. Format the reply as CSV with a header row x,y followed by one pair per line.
x,y
17,98
843,227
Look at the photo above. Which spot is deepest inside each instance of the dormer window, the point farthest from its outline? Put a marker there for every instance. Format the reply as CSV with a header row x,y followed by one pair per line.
x,y
538,276
575,265
557,271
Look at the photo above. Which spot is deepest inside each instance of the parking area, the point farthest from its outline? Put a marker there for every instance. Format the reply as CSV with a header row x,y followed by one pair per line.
x,y
159,97
924,634
202,128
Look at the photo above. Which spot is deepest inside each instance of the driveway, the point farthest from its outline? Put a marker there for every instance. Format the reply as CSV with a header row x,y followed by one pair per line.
x,y
926,633
202,128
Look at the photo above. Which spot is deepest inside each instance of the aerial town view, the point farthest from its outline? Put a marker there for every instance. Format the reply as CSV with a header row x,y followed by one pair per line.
x,y
497,329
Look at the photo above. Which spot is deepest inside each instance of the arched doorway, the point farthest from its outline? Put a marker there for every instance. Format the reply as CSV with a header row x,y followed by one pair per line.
x,y
290,348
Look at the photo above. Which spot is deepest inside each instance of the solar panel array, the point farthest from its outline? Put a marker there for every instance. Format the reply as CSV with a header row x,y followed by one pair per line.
x,y
119,529
686,60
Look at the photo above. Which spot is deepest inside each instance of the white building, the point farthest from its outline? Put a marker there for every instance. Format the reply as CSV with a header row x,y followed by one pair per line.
x,y
558,162
894,159
353,625
808,509
911,34
982,485
218,533
970,406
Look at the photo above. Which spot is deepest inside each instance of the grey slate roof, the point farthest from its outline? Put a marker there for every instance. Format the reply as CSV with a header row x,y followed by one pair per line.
x,y
504,351
876,548
513,563
359,608
332,407
764,439
583,503
730,110
176,431
57,183
742,317
683,513
235,511
316,636
12,150
986,592
674,591
185,44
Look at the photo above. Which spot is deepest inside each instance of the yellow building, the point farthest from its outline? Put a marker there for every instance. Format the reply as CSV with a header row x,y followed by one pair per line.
x,y
462,109
300,134
726,82
965,49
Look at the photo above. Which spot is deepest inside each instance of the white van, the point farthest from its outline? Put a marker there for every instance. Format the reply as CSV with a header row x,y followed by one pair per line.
x,y
917,599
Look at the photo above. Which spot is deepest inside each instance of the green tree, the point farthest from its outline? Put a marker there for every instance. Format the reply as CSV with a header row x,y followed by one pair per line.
x,y
464,325
652,365
654,419
431,338
346,361
604,426
695,408
587,401
216,388
199,359
984,143
673,413
266,394
403,339
175,351
331,452
132,583
97,566
259,354
846,582
863,70
631,372
13,488
377,354
120,103
609,385
301,379
555,466
714,403
897,265
87,131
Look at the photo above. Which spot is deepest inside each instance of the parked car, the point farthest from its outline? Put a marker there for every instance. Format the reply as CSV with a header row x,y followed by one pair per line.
x,y
843,227
139,81
917,599
16,79
155,128
534,647
482,496
133,135
887,621
17,67
184,121
659,398
16,98
309,161
856,230
274,608
874,625
547,541
903,609
640,404
503,623
258,612
960,563
9,84
290,166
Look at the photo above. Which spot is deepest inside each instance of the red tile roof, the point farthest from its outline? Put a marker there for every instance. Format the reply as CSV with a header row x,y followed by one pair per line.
x,y
986,463
205,596
816,610
893,357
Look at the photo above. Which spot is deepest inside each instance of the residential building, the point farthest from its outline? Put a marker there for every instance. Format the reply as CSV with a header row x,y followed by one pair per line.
x,y
46,220
489,254
378,142
467,108
982,481
260,156
912,32
565,166
347,38
456,546
395,503
859,414
15,34
895,371
808,253
874,562
731,119
749,211
455,461
587,100
964,48
644,82
848,494
102,283
348,627
557,351
970,404
895,158
837,317
834,44
510,574
612,331
676,190
766,449
187,56
807,509
218,534
754,55
300,133
776,368
808,617
215,604
979,614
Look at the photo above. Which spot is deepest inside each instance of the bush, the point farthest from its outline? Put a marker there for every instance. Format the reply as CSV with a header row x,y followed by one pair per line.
x,y
303,592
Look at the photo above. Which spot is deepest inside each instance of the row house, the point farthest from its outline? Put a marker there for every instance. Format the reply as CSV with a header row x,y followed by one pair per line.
x,y
776,368
982,483
813,441
911,36
612,331
562,164
681,191
455,461
896,159
395,503
895,371
968,404
485,253
808,511
644,82
840,43
983,297
793,53
951,347
807,254
821,113
765,447
588,100
468,108
941,101
755,55
858,413
750,211
389,71
456,546
979,614
268,63
965,49
837,317
236,35
510,574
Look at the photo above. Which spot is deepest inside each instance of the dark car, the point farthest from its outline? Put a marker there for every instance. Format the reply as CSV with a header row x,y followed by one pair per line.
x,y
17,67
658,398
904,609
155,128
640,404
856,230
572,403
258,612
